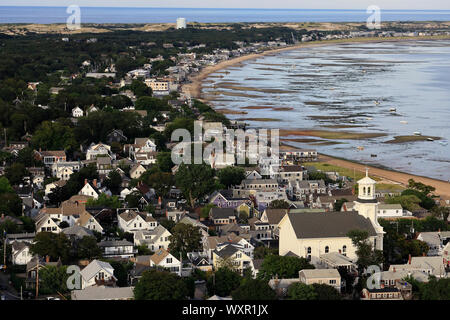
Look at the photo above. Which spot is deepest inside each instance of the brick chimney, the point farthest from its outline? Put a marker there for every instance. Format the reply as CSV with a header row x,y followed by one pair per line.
x,y
94,182
409,259
47,259
85,181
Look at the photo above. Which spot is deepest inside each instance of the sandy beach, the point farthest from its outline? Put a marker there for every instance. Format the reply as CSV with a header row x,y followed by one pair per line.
x,y
195,90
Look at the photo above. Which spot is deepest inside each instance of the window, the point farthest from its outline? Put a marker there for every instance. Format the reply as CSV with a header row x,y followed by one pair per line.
x,y
309,249
169,260
327,249
332,281
344,249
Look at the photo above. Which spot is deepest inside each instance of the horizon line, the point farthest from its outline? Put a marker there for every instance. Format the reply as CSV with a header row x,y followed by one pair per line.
x,y
218,8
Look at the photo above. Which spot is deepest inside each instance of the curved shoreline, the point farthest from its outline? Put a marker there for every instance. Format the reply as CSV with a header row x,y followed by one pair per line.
x,y
195,90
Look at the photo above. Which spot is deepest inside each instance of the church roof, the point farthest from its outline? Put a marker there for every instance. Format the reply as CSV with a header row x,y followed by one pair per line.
x,y
329,224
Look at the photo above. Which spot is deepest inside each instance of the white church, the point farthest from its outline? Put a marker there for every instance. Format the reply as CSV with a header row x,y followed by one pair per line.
x,y
312,235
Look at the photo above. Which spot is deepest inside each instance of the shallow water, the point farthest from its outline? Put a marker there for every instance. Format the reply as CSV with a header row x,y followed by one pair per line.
x,y
335,87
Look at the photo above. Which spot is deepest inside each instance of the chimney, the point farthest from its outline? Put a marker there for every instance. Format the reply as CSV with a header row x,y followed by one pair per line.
x,y
159,201
85,181
94,182
423,254
409,259
394,269
47,258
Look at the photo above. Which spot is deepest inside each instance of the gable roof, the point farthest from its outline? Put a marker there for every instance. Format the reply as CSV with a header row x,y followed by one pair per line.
x,y
94,267
328,224
222,213
274,216
159,256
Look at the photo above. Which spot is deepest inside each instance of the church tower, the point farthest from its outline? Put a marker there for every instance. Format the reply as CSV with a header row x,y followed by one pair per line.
x,y
367,206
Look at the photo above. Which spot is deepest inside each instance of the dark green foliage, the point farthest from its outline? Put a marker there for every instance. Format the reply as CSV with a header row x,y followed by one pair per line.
x,y
160,285
282,266
253,289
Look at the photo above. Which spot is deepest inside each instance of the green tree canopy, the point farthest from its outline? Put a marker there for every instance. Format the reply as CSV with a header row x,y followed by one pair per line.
x,y
185,238
223,282
253,289
282,266
160,285
195,181
53,245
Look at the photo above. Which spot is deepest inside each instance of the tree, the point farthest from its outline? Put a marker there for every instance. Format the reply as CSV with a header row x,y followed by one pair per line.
x,y
223,282
366,255
104,201
10,204
16,172
195,181
436,289
88,248
160,285
5,187
54,136
254,289
53,245
185,238
114,181
326,292
282,266
301,291
164,161
160,181
132,199
231,176
54,279
262,251
423,188
279,204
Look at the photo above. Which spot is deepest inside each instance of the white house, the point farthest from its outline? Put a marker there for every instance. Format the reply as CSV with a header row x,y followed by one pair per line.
x,y
155,239
20,253
97,273
77,112
137,171
132,221
390,210
117,249
64,173
87,221
89,190
163,259
46,224
99,149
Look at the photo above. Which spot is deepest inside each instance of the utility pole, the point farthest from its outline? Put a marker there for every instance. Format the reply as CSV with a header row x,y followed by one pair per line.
x,y
37,277
4,249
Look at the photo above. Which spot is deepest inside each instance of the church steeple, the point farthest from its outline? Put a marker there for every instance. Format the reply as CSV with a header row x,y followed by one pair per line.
x,y
366,188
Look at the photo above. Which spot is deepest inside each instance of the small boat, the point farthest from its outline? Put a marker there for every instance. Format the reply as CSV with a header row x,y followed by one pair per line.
x,y
444,143
373,155
393,109
417,133
360,148
377,102
403,122
369,118
430,139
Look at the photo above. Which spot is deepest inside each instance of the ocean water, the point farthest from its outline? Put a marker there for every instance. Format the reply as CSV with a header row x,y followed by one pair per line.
x,y
350,87
45,15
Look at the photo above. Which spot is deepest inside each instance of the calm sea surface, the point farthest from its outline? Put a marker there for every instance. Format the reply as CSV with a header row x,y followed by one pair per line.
x,y
336,88
159,15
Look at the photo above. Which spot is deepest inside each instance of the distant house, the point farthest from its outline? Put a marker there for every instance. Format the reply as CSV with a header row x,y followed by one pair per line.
x,y
116,135
86,220
77,112
20,253
163,259
117,249
329,277
103,293
51,157
232,256
137,171
221,216
46,224
90,190
155,239
273,218
390,210
225,199
132,221
99,149
97,273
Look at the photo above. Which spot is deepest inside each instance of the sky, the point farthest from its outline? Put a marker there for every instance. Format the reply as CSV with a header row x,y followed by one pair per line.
x,y
266,4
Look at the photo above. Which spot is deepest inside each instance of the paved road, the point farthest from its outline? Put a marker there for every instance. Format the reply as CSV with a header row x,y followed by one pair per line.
x,y
9,293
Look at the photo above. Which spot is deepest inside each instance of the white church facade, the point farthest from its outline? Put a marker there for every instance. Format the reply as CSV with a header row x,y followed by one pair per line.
x,y
311,235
